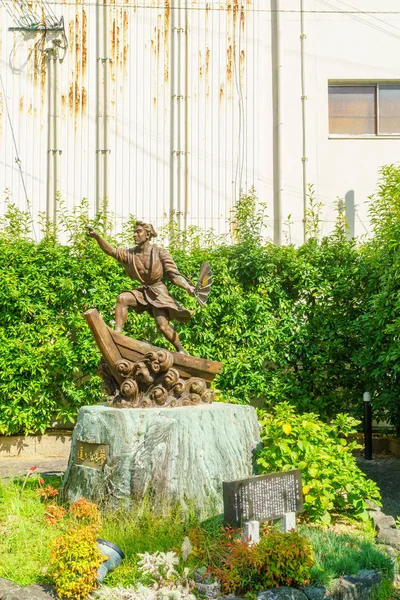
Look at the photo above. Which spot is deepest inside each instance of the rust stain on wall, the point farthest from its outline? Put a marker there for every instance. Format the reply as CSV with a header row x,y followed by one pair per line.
x,y
235,10
43,75
221,92
118,37
242,18
71,98
201,67
30,108
158,41
71,35
154,102
84,41
229,64
84,99
126,44
167,23
35,62
77,47
77,97
64,105
242,65
21,103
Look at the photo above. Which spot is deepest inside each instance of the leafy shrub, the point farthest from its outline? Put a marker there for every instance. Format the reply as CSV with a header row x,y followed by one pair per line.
x,y
315,325
46,491
54,513
85,512
332,482
278,559
74,562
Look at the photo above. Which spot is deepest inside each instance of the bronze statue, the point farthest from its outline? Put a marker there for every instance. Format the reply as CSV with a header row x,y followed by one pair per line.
x,y
136,374
149,264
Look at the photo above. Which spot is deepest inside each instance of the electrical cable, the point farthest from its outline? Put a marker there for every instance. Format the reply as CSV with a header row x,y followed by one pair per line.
x,y
372,15
358,18
218,9
17,158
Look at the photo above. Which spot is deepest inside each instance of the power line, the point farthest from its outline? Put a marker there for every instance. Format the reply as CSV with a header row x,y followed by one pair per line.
x,y
249,9
17,158
372,15
358,18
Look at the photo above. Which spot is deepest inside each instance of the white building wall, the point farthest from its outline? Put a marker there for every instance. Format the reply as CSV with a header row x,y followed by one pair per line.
x,y
192,107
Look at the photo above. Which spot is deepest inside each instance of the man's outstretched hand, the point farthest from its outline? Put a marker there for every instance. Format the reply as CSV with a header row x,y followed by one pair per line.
x,y
90,232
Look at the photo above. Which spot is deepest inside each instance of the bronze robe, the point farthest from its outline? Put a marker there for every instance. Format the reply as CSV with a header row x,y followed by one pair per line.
x,y
153,292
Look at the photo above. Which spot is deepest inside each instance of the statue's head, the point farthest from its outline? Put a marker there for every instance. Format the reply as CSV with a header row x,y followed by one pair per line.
x,y
143,232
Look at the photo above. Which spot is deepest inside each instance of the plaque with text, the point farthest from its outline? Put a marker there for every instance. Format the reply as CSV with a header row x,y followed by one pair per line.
x,y
91,455
262,498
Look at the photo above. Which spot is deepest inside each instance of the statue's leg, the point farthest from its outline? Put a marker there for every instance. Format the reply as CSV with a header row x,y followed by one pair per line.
x,y
161,318
121,310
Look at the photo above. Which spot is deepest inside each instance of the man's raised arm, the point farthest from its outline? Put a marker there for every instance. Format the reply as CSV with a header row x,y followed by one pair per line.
x,y
105,246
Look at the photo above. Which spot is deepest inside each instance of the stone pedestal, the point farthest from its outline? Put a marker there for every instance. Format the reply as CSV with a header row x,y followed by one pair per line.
x,y
176,454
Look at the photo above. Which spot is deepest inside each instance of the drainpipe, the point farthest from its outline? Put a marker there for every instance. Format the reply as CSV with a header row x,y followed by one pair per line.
x,y
179,125
99,104
276,56
102,108
53,153
303,118
106,91
186,117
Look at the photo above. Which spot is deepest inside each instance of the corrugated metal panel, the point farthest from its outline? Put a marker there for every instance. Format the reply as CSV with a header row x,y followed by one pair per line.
x,y
188,91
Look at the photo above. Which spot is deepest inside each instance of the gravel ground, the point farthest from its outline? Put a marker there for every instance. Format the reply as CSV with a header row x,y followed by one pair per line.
x,y
385,471
15,467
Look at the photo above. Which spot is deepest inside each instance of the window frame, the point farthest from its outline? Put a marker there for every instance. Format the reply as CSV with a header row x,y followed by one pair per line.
x,y
364,83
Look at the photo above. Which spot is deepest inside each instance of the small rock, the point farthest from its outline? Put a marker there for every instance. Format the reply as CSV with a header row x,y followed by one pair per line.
x,y
372,506
382,521
355,587
11,591
316,592
282,593
8,590
390,537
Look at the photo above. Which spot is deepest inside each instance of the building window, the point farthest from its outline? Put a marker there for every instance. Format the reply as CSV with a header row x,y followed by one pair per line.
x,y
364,110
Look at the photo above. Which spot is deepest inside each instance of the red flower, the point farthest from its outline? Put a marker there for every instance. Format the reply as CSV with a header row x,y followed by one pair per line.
x,y
41,481
32,468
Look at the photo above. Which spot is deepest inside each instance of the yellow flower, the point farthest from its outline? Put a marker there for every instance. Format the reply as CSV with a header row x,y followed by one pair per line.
x,y
287,428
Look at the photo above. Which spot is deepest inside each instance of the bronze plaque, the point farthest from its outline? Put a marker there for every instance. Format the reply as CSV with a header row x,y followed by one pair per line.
x,y
91,455
262,498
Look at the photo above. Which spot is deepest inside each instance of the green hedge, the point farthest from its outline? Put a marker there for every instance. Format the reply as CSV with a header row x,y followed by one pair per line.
x,y
315,325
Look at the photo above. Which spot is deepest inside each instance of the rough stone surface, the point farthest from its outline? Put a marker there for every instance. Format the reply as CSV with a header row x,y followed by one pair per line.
x,y
389,536
180,454
316,592
282,593
382,521
11,591
355,587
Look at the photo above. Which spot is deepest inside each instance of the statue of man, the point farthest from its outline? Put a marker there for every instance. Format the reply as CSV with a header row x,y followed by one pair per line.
x,y
148,264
